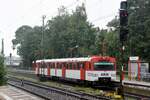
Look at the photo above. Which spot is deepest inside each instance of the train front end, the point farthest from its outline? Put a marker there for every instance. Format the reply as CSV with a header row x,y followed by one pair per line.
x,y
104,70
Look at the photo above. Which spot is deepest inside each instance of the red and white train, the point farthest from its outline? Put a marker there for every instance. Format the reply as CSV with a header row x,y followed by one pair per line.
x,y
91,69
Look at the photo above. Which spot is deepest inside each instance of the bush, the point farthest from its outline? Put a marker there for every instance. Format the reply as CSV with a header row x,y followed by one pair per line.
x,y
2,72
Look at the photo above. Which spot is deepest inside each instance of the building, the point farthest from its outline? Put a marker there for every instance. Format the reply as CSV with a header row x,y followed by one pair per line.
x,y
13,61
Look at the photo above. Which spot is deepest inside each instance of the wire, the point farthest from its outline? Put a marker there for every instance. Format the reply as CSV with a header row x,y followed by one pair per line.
x,y
104,17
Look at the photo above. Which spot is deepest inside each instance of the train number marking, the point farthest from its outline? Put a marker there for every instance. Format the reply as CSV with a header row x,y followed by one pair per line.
x,y
104,74
92,74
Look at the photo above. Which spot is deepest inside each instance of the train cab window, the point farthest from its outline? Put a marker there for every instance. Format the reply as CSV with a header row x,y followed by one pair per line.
x,y
103,66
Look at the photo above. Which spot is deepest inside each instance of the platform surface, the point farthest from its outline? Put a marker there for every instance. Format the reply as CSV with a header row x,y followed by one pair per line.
x,y
12,93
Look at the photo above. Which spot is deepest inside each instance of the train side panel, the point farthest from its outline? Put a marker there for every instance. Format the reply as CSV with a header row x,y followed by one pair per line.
x,y
58,72
74,74
96,75
43,71
52,72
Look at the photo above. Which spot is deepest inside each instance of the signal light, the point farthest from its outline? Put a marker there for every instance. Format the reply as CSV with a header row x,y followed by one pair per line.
x,y
123,21
123,5
123,17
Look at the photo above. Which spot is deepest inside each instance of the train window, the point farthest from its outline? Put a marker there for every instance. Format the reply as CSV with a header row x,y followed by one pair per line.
x,y
61,65
53,65
50,65
38,64
103,66
75,65
67,66
81,65
78,66
64,65
47,64
70,66
57,65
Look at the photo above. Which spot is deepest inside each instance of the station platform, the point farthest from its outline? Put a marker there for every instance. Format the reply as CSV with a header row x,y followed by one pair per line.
x,y
140,83
12,93
135,82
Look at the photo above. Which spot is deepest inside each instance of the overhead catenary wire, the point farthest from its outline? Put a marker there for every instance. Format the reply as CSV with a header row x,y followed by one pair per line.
x,y
105,17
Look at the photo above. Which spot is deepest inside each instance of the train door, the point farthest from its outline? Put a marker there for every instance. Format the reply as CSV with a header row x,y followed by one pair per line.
x,y
48,68
37,69
63,70
43,69
82,70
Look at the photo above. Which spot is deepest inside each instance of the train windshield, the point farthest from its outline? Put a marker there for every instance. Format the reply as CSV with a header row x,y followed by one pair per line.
x,y
103,66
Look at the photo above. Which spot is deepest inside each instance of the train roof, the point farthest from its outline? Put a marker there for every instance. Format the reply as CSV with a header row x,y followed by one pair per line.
x,y
81,59
66,60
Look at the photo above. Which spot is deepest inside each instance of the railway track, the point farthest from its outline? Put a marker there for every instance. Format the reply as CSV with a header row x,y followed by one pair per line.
x,y
54,93
141,92
135,96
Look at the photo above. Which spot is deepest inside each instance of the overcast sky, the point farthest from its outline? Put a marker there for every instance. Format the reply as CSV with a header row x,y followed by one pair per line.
x,y
15,13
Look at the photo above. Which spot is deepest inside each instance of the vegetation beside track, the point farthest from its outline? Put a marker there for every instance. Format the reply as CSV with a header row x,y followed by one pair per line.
x,y
2,71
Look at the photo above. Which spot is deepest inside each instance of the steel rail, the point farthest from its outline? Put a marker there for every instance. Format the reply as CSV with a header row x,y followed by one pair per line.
x,y
136,96
136,84
54,93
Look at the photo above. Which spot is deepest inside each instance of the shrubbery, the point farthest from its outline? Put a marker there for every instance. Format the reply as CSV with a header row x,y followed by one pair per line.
x,y
2,72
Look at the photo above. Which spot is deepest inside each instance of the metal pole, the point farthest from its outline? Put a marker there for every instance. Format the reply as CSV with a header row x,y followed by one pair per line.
x,y
2,52
42,40
42,44
121,90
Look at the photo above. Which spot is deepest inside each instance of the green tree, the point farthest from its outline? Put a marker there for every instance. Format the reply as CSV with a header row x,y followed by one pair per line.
x,y
139,21
71,35
65,35
25,40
